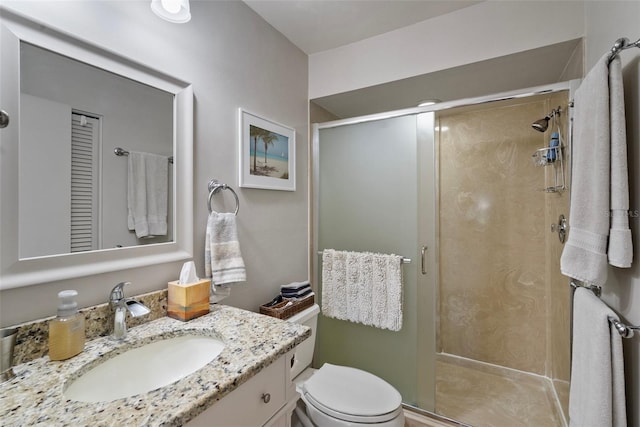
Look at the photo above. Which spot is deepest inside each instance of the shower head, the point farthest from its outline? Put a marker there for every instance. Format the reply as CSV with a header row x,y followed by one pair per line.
x,y
542,124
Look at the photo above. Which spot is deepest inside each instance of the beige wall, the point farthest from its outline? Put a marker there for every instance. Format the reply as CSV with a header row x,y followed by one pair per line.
x,y
495,272
488,29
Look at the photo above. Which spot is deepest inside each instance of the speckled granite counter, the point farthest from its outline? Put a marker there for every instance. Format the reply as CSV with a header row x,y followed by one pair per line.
x,y
252,341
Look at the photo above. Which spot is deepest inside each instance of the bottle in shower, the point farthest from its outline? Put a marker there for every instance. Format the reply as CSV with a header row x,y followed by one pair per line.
x,y
554,144
66,331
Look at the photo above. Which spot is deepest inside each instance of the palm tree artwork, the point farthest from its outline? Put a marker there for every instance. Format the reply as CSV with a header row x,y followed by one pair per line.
x,y
278,168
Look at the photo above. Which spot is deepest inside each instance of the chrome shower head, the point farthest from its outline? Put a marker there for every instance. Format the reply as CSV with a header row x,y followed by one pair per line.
x,y
542,124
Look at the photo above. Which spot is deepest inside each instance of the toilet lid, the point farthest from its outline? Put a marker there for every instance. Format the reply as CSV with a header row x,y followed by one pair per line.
x,y
351,394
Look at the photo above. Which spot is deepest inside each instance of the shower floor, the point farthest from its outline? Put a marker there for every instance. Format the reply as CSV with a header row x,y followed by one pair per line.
x,y
485,395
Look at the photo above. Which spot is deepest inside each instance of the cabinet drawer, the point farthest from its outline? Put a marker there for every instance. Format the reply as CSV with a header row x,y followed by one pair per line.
x,y
251,404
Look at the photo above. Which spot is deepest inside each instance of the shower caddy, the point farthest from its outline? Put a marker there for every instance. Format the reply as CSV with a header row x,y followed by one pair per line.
x,y
552,156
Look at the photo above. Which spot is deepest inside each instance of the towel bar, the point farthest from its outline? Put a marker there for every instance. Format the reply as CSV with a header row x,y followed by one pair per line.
x,y
597,290
624,330
404,260
122,152
214,187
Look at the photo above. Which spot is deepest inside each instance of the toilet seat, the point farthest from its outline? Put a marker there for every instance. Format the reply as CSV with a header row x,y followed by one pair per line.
x,y
352,395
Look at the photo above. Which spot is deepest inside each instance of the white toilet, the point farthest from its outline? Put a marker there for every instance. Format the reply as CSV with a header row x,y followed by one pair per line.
x,y
339,396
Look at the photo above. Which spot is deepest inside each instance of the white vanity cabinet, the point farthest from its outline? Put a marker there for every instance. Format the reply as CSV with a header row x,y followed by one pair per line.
x,y
267,399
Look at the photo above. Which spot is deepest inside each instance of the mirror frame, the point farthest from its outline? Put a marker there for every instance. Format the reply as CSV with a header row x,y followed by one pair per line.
x,y
16,272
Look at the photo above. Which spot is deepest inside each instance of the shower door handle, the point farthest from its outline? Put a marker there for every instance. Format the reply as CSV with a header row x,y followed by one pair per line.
x,y
423,255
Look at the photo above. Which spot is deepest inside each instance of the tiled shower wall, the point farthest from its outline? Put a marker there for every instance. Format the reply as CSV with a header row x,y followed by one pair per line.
x,y
502,299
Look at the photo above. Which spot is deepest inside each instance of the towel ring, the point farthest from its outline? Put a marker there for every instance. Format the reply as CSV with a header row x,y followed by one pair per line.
x,y
215,187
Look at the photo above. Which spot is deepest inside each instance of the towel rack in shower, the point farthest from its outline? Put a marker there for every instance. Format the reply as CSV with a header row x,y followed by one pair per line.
x,y
620,45
122,152
404,260
625,331
215,187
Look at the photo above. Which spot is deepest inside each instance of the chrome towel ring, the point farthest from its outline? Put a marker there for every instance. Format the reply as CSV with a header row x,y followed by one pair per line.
x,y
215,187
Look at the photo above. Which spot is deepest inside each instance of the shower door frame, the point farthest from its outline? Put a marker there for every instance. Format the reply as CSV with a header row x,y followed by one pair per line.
x,y
428,396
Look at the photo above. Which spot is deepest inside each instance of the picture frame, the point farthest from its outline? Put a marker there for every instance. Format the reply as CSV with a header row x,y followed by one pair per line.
x,y
267,153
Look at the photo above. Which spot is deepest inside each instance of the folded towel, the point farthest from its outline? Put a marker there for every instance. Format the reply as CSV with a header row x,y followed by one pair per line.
x,y
308,294
599,179
597,395
297,294
147,194
620,251
222,257
295,286
362,287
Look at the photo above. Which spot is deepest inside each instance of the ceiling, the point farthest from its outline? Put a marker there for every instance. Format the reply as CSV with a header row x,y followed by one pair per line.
x,y
317,25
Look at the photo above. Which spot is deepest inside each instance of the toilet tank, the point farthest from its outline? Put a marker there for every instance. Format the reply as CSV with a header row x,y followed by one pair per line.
x,y
304,351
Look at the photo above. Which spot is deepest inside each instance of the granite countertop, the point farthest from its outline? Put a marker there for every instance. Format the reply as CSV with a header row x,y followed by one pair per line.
x,y
252,341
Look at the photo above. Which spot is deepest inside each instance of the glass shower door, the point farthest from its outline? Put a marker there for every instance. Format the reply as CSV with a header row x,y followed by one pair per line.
x,y
368,180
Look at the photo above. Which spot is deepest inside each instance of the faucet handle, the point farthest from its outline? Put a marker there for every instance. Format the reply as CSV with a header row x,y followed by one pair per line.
x,y
117,293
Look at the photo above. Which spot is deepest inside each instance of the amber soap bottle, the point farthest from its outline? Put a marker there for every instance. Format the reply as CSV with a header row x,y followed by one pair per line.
x,y
66,331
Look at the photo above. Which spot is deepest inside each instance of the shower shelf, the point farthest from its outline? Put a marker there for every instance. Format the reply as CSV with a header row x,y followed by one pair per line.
x,y
551,156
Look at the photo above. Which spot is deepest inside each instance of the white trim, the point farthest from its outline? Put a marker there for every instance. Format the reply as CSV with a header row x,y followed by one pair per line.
x,y
513,94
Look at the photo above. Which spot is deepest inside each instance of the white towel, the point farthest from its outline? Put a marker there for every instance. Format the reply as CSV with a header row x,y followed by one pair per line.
x,y
222,257
620,247
597,395
599,179
363,287
147,194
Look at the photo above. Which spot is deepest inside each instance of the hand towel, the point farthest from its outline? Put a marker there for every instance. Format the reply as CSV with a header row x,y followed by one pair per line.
x,y
620,252
363,287
222,257
599,180
597,395
147,194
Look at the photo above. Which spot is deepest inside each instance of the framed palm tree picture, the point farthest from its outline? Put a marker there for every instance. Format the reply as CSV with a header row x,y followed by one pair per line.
x,y
267,153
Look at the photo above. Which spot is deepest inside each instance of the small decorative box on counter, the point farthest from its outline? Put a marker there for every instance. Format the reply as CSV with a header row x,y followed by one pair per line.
x,y
186,302
288,307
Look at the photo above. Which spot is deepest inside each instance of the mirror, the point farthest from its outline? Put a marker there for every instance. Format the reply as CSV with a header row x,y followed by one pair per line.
x,y
64,208
73,116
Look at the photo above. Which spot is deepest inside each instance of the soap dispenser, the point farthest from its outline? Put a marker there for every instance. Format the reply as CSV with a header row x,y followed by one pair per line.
x,y
66,331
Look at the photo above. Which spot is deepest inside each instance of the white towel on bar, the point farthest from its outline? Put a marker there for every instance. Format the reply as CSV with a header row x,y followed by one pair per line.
x,y
363,287
600,187
620,250
597,395
222,257
147,194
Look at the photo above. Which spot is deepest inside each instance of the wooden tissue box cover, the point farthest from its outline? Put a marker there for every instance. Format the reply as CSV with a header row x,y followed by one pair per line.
x,y
186,302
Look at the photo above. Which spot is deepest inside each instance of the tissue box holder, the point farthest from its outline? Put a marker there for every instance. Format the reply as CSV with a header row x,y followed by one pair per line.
x,y
186,302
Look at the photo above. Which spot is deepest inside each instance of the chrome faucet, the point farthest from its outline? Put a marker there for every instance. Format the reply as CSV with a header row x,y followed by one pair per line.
x,y
120,306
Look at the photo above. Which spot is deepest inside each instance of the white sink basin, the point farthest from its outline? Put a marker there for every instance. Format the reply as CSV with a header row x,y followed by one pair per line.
x,y
146,368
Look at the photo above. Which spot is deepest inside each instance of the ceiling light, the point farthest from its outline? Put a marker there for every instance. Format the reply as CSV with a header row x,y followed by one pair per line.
x,y
427,102
176,11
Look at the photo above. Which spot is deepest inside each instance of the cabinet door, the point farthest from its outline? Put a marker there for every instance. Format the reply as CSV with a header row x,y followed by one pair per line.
x,y
251,404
